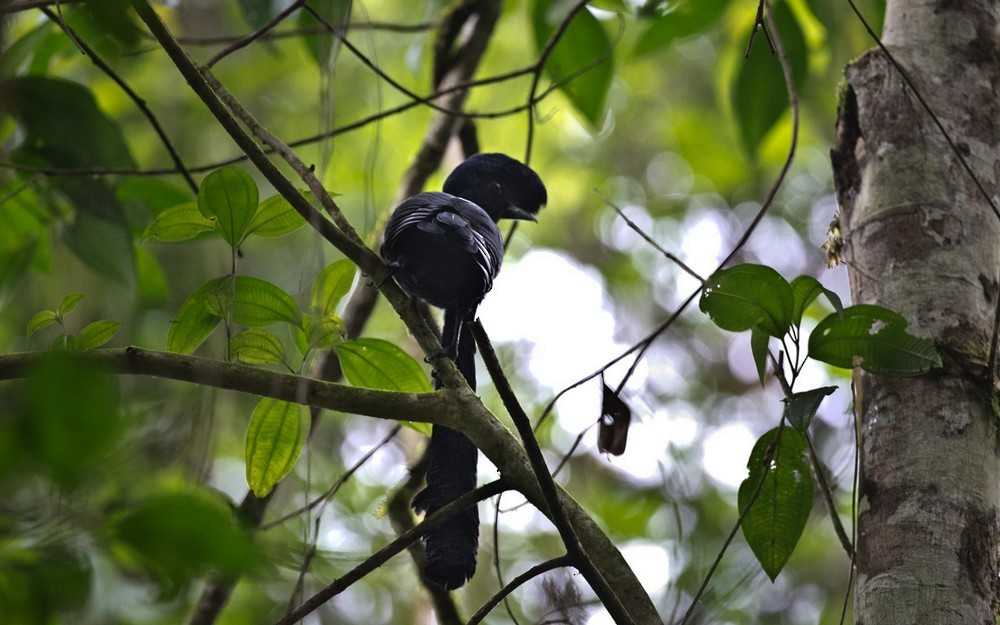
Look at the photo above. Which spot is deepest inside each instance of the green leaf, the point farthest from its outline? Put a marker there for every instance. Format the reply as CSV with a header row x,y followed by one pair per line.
x,y
759,94
256,347
230,196
331,285
277,432
40,320
800,408
194,321
68,304
325,332
179,223
97,333
758,347
681,20
104,244
256,12
743,296
337,13
114,18
179,535
773,524
63,342
874,338
275,217
253,302
806,289
374,363
583,43
157,194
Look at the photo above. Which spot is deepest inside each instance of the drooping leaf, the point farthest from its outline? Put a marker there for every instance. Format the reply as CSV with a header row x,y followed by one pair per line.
x,y
331,285
584,47
230,196
759,94
277,432
806,289
97,333
275,217
779,468
682,19
179,223
612,433
748,295
194,320
800,408
256,346
874,338
758,347
336,13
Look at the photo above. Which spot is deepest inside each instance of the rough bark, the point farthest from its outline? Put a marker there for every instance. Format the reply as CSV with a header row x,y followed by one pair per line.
x,y
923,240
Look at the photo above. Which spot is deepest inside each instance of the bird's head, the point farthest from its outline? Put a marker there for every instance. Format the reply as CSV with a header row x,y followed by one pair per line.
x,y
505,188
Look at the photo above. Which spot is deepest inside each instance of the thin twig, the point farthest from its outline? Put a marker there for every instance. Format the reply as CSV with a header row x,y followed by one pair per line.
x,y
546,484
530,574
383,555
260,32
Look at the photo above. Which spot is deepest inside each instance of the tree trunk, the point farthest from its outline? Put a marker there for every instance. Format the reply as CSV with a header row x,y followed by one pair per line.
x,y
922,239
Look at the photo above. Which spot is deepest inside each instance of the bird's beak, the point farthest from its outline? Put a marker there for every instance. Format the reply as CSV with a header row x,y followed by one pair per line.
x,y
516,212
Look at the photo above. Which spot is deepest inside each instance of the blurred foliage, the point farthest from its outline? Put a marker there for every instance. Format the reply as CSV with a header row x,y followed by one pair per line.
x,y
120,493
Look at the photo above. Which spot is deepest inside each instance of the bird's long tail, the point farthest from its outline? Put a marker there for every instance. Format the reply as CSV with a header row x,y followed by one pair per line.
x,y
450,550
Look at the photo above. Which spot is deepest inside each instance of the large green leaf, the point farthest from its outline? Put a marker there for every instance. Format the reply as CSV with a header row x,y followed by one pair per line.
x,y
277,432
374,363
584,43
874,338
254,302
748,295
759,94
774,522
230,196
688,17
806,289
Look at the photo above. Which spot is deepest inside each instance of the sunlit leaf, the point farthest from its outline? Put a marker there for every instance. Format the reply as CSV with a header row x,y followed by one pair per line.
x,y
583,53
874,338
97,333
256,346
744,296
253,302
41,320
275,217
230,196
277,432
779,475
800,408
179,223
374,363
331,285
68,304
325,332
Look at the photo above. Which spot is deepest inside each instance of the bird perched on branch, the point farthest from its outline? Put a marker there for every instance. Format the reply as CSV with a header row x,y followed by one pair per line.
x,y
446,249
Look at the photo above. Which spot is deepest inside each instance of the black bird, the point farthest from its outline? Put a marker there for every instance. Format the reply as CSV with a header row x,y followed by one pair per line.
x,y
446,249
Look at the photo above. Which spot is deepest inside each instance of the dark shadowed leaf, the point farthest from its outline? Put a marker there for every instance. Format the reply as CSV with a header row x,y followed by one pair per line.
x,y
874,338
683,18
194,320
800,408
744,296
806,289
758,347
584,44
780,469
